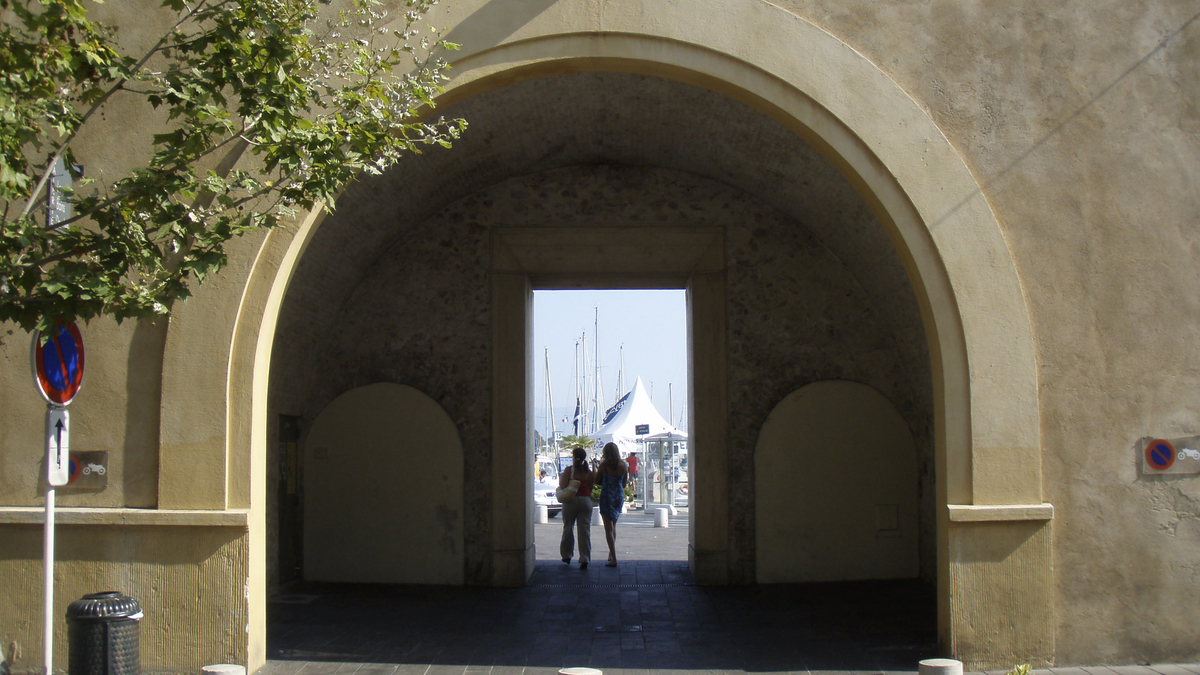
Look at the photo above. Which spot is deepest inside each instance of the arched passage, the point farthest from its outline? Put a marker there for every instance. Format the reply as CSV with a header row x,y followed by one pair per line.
x,y
984,376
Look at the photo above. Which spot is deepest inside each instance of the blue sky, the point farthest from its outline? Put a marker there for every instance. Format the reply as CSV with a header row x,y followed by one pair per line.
x,y
650,324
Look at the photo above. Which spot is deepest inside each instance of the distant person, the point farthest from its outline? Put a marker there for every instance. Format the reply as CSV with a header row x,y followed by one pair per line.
x,y
613,474
577,510
632,462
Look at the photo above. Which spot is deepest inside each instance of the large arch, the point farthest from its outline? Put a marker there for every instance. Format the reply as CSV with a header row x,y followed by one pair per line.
x,y
993,522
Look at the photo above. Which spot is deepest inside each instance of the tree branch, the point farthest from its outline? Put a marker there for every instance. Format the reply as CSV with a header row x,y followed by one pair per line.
x,y
41,184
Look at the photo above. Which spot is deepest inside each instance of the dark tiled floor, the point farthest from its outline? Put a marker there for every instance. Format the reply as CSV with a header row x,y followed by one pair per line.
x,y
639,616
644,617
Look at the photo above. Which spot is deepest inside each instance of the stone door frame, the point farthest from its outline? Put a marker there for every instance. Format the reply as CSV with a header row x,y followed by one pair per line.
x,y
608,257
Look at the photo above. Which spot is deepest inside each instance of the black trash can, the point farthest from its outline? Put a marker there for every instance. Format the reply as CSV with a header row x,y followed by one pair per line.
x,y
102,633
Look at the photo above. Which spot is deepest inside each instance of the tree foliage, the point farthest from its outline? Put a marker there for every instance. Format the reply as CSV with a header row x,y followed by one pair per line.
x,y
571,440
305,99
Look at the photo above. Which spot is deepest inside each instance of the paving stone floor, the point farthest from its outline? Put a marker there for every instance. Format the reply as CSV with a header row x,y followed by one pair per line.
x,y
643,617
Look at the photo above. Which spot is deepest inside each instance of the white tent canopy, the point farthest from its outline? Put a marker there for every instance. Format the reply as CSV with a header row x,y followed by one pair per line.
x,y
635,409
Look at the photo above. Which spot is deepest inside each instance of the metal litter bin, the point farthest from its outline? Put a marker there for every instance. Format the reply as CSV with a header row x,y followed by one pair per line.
x,y
102,631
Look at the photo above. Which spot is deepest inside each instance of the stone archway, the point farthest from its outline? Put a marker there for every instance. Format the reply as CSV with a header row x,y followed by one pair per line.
x,y
988,454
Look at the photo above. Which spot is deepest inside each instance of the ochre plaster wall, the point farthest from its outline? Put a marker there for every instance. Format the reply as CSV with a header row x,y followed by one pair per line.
x,y
186,580
1078,120
1076,125
116,411
993,563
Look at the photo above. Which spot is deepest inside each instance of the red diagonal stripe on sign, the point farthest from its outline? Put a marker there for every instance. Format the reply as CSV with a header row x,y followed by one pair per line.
x,y
62,364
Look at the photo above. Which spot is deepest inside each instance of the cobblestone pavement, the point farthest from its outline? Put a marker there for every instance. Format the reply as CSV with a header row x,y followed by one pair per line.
x,y
643,617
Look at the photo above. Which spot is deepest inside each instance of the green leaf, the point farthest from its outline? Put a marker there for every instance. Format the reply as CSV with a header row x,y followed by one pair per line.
x,y
244,87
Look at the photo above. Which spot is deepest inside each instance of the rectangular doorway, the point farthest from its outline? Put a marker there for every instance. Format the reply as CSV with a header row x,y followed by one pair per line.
x,y
611,366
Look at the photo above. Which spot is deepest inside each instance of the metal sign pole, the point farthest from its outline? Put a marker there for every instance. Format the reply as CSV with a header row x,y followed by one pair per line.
x,y
57,377
58,434
48,582
57,366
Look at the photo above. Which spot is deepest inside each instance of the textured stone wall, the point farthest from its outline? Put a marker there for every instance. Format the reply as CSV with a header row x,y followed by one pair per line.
x,y
798,315
421,319
797,310
178,575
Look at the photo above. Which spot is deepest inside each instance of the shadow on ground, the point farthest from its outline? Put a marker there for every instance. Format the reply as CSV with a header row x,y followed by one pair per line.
x,y
643,615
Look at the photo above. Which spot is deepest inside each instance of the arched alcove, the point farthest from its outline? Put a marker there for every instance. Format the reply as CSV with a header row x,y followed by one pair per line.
x,y
383,473
836,488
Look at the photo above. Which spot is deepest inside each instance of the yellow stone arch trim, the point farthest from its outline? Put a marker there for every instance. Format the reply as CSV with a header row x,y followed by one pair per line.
x,y
981,343
880,138
904,167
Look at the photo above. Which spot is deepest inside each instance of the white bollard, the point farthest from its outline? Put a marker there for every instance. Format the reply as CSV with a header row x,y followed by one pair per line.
x,y
541,513
940,667
223,669
660,516
596,515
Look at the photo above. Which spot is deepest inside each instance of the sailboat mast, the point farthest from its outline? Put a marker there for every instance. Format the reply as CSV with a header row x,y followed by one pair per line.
x,y
582,398
550,401
620,375
596,396
578,390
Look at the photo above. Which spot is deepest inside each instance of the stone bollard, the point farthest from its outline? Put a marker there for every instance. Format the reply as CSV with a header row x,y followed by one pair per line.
x,y
223,669
940,667
541,513
661,515
596,516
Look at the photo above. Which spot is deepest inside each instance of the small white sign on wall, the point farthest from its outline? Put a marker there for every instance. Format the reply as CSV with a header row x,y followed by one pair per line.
x,y
1170,455
58,446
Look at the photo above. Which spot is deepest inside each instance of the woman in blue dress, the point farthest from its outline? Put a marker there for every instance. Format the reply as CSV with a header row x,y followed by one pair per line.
x,y
613,472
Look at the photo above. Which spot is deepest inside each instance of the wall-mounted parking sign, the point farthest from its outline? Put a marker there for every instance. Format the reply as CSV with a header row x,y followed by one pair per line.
x,y
58,364
1170,455
1160,454
88,469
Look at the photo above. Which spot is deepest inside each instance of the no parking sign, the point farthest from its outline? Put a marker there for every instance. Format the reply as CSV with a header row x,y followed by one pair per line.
x,y
1170,455
1160,454
58,364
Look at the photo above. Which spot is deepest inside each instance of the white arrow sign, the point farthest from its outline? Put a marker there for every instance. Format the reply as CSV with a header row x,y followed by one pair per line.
x,y
58,444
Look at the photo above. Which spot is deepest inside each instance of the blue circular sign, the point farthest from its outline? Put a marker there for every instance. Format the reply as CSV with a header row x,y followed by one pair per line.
x,y
58,363
1160,454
